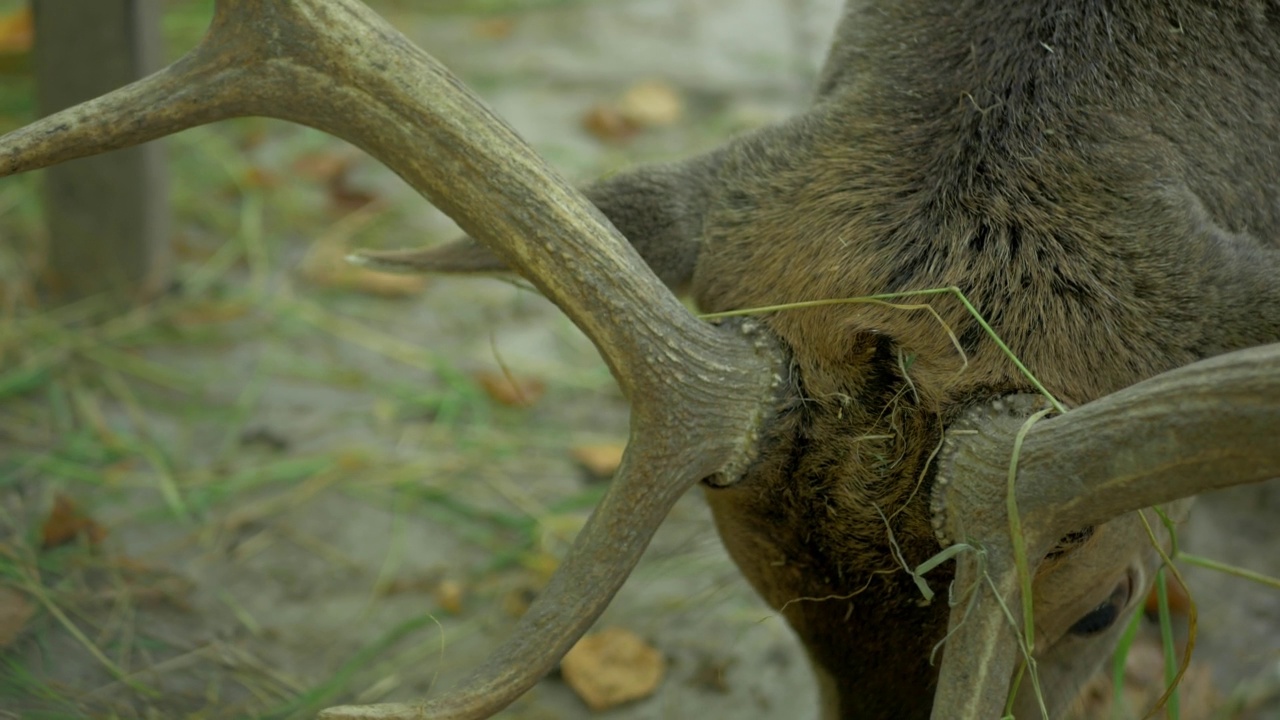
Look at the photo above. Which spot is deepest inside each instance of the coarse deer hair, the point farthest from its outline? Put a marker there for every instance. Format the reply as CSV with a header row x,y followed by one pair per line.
x,y
1100,179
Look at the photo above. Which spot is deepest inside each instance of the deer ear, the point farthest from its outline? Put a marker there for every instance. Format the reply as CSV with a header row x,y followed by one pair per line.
x,y
658,208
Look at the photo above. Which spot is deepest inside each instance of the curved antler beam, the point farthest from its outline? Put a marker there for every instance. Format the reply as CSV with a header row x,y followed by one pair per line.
x,y
1206,426
700,394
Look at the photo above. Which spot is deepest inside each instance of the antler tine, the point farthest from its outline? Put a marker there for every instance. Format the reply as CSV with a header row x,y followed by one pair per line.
x,y
202,87
699,393
976,685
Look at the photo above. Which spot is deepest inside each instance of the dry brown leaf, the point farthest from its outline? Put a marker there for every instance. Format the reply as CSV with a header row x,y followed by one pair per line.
x,y
66,522
516,603
604,122
15,612
510,390
345,198
542,563
600,460
612,667
256,177
652,103
449,595
353,460
333,169
495,28
321,167
1179,599
17,31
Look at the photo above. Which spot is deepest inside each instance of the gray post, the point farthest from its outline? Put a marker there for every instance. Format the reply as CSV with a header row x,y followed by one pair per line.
x,y
108,216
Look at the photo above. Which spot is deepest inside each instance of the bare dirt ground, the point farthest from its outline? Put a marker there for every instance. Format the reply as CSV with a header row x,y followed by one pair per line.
x,y
282,487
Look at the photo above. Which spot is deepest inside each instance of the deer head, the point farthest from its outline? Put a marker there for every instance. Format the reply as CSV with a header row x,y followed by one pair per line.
x,y
1099,181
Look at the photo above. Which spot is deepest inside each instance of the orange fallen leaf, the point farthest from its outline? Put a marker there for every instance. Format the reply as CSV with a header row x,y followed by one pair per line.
x,y
601,460
17,31
1179,599
510,390
66,522
604,122
612,667
15,612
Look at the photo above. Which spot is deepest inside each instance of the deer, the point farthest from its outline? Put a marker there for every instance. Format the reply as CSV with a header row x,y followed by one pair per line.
x,y
943,494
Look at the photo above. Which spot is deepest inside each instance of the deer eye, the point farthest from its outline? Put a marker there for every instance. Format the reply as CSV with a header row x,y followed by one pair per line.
x,y
1105,615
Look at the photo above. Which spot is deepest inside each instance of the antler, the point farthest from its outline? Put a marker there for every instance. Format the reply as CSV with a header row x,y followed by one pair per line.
x,y
1206,426
699,393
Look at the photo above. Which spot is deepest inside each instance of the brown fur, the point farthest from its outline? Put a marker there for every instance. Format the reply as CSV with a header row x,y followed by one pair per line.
x,y
1101,178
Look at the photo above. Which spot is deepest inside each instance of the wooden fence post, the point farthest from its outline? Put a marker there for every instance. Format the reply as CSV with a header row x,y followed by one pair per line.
x,y
108,216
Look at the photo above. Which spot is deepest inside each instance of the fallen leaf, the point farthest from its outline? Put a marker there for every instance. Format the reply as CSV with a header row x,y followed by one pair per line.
x,y
612,667
333,170
600,460
652,103
17,31
542,563
353,460
449,594
15,612
66,522
496,28
256,177
604,122
509,390
516,603
320,167
1179,599
344,197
